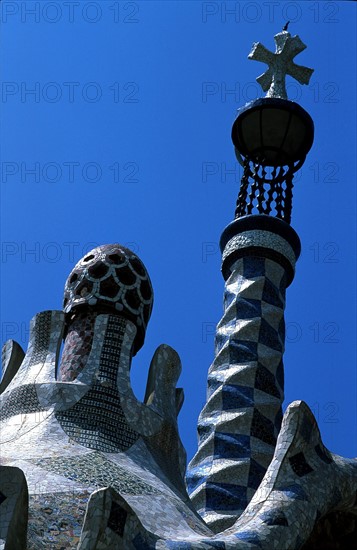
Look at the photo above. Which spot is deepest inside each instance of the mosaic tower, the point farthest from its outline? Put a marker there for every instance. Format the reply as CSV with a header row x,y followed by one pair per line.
x,y
259,250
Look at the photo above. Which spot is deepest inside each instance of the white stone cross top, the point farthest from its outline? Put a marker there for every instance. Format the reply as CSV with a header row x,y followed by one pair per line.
x,y
280,64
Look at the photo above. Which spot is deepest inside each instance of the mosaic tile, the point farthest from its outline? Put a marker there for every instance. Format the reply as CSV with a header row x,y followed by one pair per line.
x,y
299,464
94,469
55,521
22,400
105,429
78,344
240,344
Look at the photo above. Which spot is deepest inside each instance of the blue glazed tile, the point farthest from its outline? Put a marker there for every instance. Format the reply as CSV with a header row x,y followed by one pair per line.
x,y
300,465
242,351
225,497
256,474
271,294
263,428
265,381
231,446
237,397
253,267
269,336
248,308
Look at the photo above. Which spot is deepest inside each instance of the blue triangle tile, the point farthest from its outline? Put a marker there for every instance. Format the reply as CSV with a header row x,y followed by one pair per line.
x,y
225,497
237,397
263,428
256,474
253,267
242,351
231,446
271,294
265,381
247,308
269,336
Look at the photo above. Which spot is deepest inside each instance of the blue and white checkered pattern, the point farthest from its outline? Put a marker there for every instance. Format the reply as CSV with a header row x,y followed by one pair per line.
x,y
239,424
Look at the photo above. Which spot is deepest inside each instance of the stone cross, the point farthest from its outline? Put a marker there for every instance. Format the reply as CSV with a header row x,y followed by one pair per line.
x,y
280,64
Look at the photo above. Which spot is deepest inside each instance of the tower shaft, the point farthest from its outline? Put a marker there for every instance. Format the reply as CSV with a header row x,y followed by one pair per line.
x,y
240,422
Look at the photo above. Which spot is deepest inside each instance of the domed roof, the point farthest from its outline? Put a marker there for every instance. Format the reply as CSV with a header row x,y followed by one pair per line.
x,y
111,278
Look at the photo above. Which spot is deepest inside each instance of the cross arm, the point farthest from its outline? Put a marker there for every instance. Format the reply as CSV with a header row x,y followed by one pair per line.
x,y
293,46
261,53
300,73
265,80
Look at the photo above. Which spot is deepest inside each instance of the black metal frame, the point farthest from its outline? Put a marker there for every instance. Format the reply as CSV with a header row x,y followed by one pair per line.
x,y
267,182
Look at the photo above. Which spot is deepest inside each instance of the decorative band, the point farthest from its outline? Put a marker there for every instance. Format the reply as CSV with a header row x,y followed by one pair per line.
x,y
261,222
259,243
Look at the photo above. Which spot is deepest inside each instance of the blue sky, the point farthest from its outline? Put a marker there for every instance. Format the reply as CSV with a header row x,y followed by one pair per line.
x,y
125,138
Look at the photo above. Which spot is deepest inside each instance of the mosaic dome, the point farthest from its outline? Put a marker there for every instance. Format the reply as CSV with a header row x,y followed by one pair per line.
x,y
111,279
